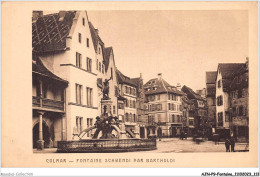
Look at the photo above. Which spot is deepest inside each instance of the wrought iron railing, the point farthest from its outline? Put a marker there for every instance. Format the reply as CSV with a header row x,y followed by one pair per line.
x,y
48,103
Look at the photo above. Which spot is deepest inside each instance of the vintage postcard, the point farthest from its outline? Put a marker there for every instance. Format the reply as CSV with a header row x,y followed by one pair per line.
x,y
129,84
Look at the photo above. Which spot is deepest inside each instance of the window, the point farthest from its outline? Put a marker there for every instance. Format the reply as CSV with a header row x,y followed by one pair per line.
x,y
159,117
134,104
220,119
79,37
83,21
158,97
79,124
87,42
173,118
126,103
112,76
239,93
131,103
219,83
126,117
227,117
169,106
120,106
174,107
89,64
169,96
220,100
103,68
78,60
130,117
89,96
240,112
125,89
159,107
134,117
191,122
78,94
99,67
114,109
99,50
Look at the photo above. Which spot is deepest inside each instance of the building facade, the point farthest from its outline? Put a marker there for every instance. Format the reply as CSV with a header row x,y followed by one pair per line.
x,y
48,106
164,108
211,97
64,44
239,109
223,80
200,111
127,90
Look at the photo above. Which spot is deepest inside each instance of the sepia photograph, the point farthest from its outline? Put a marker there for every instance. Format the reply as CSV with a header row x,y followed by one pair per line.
x,y
86,100
130,85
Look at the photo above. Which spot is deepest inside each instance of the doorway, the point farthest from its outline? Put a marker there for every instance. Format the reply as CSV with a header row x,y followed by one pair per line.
x,y
46,135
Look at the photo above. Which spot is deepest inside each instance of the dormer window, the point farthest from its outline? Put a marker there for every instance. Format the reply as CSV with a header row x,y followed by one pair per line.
x,y
154,88
149,83
87,42
79,37
219,83
83,21
153,82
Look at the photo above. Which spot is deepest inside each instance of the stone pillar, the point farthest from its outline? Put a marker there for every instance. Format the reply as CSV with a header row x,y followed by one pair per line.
x,y
145,132
137,131
40,142
63,127
123,132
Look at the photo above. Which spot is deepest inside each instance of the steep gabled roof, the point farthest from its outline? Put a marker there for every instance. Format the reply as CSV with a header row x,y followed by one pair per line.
x,y
227,69
49,33
122,79
39,68
211,77
191,94
95,37
156,86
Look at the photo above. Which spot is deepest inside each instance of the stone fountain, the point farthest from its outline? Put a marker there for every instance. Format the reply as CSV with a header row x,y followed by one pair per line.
x,y
104,140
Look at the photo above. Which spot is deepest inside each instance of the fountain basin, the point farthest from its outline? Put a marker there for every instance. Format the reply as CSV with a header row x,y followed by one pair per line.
x,y
106,145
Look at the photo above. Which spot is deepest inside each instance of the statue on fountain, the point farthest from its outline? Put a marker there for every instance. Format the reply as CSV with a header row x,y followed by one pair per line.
x,y
105,89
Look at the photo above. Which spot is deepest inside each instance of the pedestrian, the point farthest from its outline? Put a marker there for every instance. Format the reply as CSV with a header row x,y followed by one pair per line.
x,y
227,144
232,143
182,135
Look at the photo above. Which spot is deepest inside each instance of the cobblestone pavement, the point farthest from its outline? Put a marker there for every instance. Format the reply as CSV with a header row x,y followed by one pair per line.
x,y
180,146
175,145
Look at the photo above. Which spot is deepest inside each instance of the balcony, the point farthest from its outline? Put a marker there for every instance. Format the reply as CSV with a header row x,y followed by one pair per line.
x,y
48,104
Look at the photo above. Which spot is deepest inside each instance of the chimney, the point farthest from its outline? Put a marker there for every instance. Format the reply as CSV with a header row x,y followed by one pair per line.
x,y
61,15
159,76
97,31
36,15
141,76
178,86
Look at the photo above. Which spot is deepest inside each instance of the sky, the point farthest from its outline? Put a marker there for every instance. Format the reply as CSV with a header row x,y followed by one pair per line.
x,y
182,45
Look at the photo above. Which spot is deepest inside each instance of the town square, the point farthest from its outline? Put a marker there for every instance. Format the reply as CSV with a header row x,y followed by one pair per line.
x,y
83,101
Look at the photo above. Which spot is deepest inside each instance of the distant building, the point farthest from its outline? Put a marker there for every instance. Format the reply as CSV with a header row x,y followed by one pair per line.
x,y
211,97
127,90
164,107
142,112
223,81
238,96
189,110
200,114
